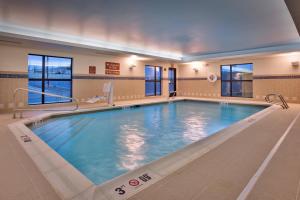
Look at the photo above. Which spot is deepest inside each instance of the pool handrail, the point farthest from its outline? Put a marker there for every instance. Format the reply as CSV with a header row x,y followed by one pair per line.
x,y
282,101
15,109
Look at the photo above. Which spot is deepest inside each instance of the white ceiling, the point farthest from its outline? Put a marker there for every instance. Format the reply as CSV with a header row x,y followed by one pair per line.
x,y
174,29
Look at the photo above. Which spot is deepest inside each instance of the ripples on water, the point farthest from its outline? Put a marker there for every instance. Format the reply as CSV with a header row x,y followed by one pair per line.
x,y
106,144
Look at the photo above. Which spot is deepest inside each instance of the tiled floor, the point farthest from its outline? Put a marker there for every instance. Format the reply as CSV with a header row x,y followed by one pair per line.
x,y
220,174
282,177
20,179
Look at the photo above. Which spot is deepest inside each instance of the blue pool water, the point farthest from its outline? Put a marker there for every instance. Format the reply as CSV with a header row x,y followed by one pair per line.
x,y
103,145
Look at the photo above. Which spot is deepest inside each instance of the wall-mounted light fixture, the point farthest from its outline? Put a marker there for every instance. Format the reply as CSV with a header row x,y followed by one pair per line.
x,y
197,66
293,58
132,62
295,64
132,66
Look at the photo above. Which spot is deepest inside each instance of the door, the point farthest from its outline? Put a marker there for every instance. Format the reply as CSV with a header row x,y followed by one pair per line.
x,y
172,82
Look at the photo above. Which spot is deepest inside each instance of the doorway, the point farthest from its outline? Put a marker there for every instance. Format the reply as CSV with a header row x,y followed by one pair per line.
x,y
172,82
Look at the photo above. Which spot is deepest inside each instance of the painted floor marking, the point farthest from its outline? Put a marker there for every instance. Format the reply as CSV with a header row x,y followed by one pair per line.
x,y
244,194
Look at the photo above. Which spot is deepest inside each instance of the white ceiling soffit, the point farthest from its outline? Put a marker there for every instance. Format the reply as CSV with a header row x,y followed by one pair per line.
x,y
248,52
59,38
170,29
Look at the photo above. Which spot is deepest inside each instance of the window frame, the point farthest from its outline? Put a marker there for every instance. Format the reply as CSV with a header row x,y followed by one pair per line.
x,y
231,80
155,81
43,79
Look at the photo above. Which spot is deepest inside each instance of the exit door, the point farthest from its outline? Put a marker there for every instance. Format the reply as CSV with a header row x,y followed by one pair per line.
x,y
172,82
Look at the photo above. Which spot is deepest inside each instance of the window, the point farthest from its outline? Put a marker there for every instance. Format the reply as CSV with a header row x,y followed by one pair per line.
x,y
51,75
152,80
236,80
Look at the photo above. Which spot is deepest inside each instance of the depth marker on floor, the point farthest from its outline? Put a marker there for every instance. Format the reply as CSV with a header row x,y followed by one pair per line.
x,y
246,191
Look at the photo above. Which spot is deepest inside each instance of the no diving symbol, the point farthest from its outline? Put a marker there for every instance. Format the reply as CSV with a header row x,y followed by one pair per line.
x,y
134,182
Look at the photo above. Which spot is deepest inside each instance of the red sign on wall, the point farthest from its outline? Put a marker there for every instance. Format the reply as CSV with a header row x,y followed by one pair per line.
x,y
92,69
112,68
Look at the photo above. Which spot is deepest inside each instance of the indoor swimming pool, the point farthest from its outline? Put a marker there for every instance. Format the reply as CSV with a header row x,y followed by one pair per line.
x,y
105,144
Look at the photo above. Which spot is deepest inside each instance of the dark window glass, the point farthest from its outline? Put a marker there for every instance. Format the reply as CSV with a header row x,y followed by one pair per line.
x,y
150,73
158,88
150,90
242,89
226,88
51,75
236,80
153,77
35,67
61,88
242,72
225,72
35,98
58,68
158,73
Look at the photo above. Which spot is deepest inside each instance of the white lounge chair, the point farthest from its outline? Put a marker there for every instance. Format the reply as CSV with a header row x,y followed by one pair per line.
x,y
107,90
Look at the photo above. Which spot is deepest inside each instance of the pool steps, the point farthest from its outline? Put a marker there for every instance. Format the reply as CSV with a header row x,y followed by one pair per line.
x,y
59,132
75,133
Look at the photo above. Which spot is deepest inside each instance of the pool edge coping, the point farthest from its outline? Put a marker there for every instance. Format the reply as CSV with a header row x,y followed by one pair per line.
x,y
70,183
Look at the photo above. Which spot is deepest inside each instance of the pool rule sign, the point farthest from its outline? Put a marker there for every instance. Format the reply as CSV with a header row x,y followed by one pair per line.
x,y
112,68
133,185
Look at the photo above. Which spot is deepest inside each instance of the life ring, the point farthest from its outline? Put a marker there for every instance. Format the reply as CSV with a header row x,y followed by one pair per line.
x,y
212,77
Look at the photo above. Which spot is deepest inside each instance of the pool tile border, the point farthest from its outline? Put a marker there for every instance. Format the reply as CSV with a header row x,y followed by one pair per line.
x,y
24,75
69,183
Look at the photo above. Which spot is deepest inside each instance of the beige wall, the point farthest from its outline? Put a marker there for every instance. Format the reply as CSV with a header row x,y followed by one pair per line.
x,y
270,66
7,86
14,60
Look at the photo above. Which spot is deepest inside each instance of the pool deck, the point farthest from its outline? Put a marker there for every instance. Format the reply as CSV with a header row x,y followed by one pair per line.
x,y
221,173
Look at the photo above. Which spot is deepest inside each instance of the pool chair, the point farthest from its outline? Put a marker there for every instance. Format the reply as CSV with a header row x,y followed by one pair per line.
x,y
107,94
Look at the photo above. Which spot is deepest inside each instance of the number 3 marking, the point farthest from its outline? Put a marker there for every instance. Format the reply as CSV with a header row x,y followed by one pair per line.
x,y
120,191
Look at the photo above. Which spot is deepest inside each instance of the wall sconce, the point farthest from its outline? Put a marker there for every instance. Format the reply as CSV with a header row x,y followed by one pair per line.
x,y
132,62
197,65
295,64
132,66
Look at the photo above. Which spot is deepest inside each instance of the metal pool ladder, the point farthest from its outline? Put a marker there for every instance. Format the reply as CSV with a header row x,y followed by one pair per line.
x,y
15,109
277,99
